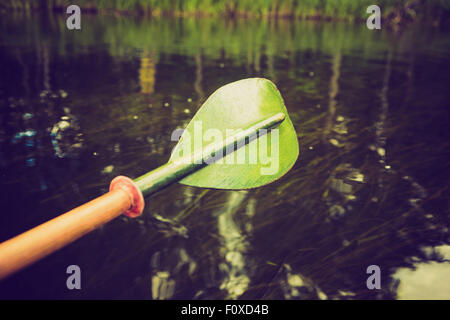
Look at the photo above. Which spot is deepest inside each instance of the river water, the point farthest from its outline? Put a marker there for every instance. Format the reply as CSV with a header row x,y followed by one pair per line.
x,y
370,186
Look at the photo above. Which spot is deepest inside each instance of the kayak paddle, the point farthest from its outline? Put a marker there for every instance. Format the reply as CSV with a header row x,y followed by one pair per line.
x,y
253,143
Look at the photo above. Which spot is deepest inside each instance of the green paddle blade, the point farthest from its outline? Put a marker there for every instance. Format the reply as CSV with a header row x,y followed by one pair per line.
x,y
233,107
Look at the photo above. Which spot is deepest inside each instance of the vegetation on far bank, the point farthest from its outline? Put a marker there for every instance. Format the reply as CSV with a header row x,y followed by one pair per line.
x,y
397,11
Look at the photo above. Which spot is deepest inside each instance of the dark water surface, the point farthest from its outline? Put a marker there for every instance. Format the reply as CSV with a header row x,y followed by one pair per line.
x,y
370,186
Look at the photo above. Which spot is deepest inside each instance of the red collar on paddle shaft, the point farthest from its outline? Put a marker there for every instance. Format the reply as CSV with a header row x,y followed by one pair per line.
x,y
137,199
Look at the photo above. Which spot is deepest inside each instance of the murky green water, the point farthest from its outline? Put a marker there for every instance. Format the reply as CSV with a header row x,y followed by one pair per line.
x,y
370,186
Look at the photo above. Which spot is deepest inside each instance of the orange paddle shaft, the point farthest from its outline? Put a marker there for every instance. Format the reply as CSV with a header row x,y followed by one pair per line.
x,y
35,244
